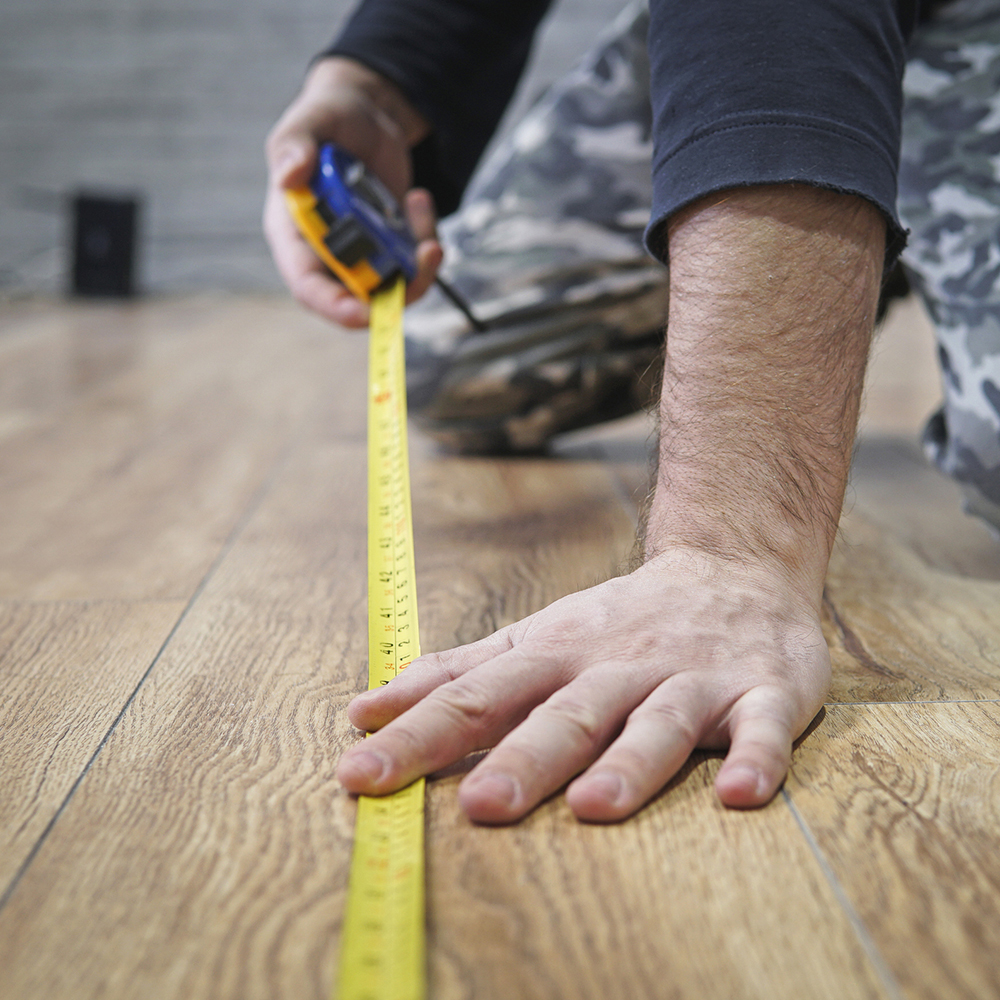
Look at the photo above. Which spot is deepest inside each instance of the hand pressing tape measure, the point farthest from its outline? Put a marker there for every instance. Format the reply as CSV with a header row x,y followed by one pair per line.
x,y
355,227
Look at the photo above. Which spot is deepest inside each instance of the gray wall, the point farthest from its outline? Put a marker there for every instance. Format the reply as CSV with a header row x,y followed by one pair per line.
x,y
172,99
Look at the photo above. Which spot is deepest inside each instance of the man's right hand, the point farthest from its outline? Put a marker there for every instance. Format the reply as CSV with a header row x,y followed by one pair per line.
x,y
344,102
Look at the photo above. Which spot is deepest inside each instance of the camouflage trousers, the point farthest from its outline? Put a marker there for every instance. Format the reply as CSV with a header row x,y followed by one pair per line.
x,y
950,200
547,252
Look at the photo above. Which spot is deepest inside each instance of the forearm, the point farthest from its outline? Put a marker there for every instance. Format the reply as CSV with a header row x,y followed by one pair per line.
x,y
716,640
772,304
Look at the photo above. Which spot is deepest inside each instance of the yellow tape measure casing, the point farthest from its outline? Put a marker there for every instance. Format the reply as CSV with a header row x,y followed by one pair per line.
x,y
362,278
382,955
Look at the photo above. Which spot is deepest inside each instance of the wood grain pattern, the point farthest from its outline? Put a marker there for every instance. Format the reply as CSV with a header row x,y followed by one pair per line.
x,y
152,460
496,540
67,671
687,900
204,853
901,631
904,802
209,839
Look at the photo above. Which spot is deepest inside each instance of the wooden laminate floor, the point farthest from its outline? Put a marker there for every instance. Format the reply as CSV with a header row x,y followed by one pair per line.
x,y
182,620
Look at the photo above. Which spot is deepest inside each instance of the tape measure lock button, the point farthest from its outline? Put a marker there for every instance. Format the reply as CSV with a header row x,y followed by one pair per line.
x,y
348,242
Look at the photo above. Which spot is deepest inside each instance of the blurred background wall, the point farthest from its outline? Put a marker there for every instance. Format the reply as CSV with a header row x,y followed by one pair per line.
x,y
171,100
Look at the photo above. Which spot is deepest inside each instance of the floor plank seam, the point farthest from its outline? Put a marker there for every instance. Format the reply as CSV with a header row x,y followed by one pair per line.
x,y
934,701
865,939
227,545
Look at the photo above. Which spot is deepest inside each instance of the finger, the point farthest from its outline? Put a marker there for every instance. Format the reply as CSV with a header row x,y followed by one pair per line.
x,y
291,159
371,710
760,751
302,271
420,214
557,740
341,117
429,257
317,291
467,714
658,738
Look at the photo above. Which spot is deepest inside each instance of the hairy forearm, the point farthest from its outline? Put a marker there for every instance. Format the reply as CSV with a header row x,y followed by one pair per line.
x,y
716,639
773,293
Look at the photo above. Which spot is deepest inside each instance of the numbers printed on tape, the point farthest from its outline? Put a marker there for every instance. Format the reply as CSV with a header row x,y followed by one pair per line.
x,y
382,953
392,611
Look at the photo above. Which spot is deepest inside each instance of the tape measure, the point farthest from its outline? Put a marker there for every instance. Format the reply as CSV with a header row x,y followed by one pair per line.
x,y
382,953
354,226
353,223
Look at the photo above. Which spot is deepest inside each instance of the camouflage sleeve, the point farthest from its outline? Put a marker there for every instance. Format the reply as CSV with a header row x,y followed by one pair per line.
x,y
458,61
776,91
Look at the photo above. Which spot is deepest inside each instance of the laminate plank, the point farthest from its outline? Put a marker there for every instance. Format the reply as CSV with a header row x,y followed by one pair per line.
x,y
904,803
205,853
165,421
67,671
498,539
686,901
894,486
900,630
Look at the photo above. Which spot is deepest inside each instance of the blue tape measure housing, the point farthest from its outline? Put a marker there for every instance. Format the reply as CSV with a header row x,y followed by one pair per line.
x,y
364,220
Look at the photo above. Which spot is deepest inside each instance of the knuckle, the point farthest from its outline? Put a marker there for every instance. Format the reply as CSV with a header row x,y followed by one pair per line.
x,y
561,642
446,662
275,142
467,703
632,762
672,716
400,743
771,706
432,665
572,716
765,752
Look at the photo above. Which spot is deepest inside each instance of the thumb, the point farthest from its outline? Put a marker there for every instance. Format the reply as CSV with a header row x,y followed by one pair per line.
x,y
292,160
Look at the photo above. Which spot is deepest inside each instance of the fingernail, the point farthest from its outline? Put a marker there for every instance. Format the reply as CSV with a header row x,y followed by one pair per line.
x,y
607,785
749,776
500,789
366,765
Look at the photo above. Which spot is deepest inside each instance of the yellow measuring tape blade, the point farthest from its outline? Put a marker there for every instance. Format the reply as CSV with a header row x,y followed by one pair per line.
x,y
382,952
